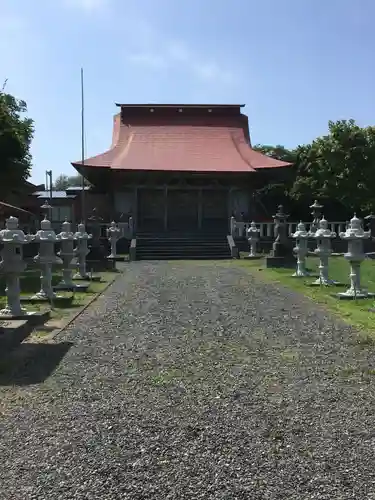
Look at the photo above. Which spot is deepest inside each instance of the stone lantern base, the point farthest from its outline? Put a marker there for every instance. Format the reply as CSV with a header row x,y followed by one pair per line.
x,y
280,262
7,314
78,277
351,295
40,299
253,257
325,282
74,287
33,317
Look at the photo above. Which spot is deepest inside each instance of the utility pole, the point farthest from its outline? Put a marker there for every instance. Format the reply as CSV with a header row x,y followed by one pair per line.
x,y
83,195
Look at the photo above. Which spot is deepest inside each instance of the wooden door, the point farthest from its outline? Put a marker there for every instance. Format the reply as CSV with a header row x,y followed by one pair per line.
x,y
151,210
182,210
215,210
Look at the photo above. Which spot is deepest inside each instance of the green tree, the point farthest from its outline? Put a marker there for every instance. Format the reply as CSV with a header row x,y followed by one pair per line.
x,y
64,181
16,133
279,187
276,191
338,167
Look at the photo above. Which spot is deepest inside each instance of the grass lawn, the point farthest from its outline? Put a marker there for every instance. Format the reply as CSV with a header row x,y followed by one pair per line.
x,y
353,312
30,284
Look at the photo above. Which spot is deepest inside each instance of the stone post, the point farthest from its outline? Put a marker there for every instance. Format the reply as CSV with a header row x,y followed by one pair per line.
x,y
253,237
281,255
81,252
131,227
233,227
323,237
355,236
113,235
12,265
46,238
301,250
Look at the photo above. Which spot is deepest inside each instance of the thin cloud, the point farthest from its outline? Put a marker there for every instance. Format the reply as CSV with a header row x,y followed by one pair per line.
x,y
149,60
87,5
177,55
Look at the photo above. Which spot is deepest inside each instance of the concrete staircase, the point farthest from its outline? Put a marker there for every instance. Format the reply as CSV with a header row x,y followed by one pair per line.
x,y
182,246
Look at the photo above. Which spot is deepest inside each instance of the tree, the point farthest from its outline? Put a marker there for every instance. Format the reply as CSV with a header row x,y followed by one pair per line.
x,y
338,167
64,181
279,187
16,133
276,191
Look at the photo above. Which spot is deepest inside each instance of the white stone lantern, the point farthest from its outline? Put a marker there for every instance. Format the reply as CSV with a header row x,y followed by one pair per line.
x,y
301,250
12,265
113,235
323,237
355,236
81,251
253,237
46,237
66,254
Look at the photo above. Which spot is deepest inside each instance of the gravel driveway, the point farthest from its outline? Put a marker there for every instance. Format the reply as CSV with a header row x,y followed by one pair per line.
x,y
192,381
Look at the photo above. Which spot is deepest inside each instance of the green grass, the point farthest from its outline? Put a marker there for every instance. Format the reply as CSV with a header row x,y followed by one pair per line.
x,y
30,284
354,312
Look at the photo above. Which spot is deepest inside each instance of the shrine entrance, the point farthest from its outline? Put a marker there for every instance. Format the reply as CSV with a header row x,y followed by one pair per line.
x,y
150,214
214,209
182,210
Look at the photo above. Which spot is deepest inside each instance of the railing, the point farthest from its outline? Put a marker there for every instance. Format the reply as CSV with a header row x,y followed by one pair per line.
x,y
239,229
126,228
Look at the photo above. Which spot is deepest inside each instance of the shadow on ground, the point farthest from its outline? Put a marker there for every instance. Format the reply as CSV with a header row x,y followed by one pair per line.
x,y
32,363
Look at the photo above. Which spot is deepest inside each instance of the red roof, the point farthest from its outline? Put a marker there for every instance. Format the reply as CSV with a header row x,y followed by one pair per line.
x,y
194,144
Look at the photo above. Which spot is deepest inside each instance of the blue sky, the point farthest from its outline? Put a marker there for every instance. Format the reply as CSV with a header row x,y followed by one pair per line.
x,y
295,64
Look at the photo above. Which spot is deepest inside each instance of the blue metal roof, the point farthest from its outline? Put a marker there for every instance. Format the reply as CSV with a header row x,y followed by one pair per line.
x,y
55,194
77,188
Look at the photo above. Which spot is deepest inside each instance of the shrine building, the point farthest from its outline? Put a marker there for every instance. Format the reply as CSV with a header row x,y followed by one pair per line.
x,y
179,168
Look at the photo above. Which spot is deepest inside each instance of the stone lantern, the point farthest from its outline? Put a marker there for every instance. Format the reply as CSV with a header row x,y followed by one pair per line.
x,y
47,239
96,258
47,208
301,250
12,265
67,238
253,237
281,255
355,236
81,251
316,212
113,235
66,253
323,236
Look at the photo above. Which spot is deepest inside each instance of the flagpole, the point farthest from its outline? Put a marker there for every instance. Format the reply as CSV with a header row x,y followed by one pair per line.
x,y
83,204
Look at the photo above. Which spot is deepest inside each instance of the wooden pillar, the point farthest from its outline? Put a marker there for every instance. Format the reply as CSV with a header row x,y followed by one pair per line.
x,y
165,208
200,208
230,198
135,211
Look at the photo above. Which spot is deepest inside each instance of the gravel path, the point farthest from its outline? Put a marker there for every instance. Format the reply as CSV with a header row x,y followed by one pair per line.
x,y
191,381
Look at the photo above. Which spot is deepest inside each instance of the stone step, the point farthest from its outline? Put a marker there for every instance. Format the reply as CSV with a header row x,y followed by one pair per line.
x,y
187,248
184,257
171,241
170,247
193,246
